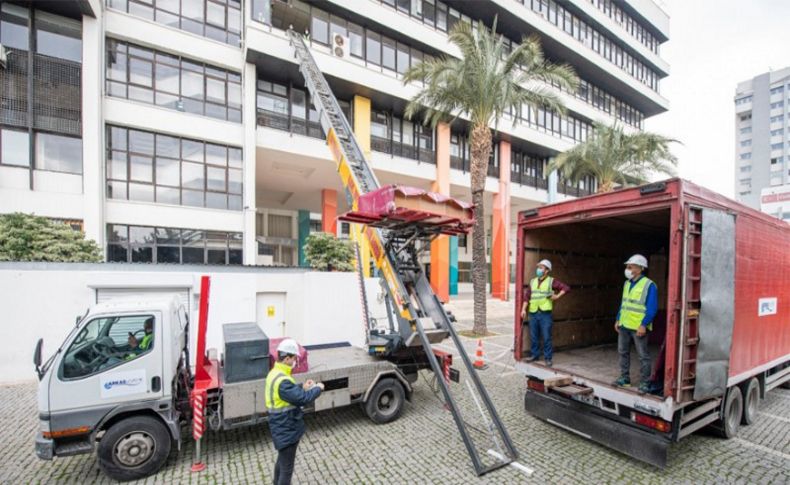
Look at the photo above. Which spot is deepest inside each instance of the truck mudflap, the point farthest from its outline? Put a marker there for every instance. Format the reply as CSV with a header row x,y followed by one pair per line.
x,y
584,421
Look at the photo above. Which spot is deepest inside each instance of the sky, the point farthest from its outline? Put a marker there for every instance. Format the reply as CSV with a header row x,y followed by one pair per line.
x,y
713,45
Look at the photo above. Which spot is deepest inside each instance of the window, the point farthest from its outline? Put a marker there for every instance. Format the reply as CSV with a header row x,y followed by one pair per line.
x,y
388,53
356,36
746,131
107,342
373,47
777,132
58,37
152,167
778,104
15,148
777,90
58,153
746,117
14,31
778,118
216,19
743,100
746,156
746,143
319,30
173,82
746,169
135,244
777,146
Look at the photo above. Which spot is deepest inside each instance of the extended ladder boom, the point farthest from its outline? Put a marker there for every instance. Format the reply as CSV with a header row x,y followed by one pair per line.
x,y
415,302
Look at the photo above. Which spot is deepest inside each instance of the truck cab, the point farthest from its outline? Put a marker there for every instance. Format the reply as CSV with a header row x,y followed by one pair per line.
x,y
116,381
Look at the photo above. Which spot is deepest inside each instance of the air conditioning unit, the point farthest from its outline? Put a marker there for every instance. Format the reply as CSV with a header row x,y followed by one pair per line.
x,y
3,57
340,45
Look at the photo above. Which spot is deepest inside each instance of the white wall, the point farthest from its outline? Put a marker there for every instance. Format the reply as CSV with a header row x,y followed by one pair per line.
x,y
42,301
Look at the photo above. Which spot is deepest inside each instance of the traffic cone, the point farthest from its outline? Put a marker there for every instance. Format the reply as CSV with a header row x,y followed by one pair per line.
x,y
479,363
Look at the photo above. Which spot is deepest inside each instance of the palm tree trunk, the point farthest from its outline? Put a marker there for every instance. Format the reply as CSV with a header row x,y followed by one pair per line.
x,y
480,141
605,186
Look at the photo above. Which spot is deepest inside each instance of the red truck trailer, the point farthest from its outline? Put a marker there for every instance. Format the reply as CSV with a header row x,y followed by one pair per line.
x,y
721,338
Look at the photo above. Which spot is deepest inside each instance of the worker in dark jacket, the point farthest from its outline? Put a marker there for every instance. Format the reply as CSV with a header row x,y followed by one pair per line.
x,y
539,298
284,401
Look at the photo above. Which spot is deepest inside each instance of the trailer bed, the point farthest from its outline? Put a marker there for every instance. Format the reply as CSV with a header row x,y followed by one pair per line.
x,y
600,362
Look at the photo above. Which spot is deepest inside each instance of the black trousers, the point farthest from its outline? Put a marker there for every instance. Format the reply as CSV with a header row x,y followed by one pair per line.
x,y
284,468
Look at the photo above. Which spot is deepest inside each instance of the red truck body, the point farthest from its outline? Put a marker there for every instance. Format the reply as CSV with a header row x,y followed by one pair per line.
x,y
723,272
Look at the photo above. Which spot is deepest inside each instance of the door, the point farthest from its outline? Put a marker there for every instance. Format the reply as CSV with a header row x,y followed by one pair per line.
x,y
102,368
716,297
270,313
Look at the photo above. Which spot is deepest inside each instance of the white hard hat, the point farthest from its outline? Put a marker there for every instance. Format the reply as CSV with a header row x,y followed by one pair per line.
x,y
546,263
638,260
288,346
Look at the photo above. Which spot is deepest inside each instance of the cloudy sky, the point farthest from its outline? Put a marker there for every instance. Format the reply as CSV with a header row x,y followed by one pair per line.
x,y
715,44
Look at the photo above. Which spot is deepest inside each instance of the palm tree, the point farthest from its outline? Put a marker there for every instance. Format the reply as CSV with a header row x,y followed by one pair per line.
x,y
482,85
615,157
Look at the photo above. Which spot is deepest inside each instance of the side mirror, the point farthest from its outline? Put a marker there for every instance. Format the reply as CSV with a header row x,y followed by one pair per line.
x,y
37,356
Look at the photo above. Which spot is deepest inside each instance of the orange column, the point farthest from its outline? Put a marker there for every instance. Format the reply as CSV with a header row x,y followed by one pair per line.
x,y
440,247
500,246
329,211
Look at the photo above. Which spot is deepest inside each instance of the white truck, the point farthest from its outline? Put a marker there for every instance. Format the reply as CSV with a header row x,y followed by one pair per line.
x,y
96,393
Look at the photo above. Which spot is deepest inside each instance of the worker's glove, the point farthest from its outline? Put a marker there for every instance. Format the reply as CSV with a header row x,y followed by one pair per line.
x,y
320,385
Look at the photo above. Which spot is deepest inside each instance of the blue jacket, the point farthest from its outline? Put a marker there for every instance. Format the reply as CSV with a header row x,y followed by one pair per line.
x,y
287,428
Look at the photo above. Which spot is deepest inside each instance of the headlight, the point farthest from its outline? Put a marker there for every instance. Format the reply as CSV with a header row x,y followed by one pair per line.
x,y
43,425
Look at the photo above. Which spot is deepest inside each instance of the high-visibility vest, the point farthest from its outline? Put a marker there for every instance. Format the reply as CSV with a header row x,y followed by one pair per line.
x,y
146,341
274,404
633,308
540,298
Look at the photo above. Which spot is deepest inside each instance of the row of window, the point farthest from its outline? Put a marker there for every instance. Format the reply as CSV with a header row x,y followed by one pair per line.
x,y
777,132
572,25
777,118
777,146
216,19
151,167
568,127
138,244
394,56
397,136
746,130
288,108
628,23
52,152
778,104
52,35
746,156
174,82
777,90
743,100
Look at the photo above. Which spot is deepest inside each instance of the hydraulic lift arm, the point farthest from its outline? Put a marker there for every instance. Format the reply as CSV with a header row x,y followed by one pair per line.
x,y
394,252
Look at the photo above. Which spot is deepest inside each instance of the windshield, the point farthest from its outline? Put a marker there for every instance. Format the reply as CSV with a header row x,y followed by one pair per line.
x,y
108,342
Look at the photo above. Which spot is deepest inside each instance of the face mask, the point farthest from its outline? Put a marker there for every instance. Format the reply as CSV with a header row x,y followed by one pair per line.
x,y
629,274
539,272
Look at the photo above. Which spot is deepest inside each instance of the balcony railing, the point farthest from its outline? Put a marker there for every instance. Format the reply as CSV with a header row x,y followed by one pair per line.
x,y
529,180
283,122
404,150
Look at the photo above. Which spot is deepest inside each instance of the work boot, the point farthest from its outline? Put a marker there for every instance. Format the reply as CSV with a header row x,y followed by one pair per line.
x,y
533,359
623,381
644,388
549,363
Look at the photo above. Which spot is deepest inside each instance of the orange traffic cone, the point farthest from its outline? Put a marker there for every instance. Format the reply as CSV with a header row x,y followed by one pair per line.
x,y
479,363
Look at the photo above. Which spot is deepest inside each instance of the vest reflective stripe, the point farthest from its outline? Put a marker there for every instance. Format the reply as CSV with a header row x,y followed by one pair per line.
x,y
540,299
274,404
633,307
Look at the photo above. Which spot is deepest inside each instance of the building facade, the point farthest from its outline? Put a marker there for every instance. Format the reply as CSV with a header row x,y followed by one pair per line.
x,y
180,131
762,135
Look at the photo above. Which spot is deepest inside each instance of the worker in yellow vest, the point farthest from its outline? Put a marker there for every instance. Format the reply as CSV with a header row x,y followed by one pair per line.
x,y
284,401
539,298
638,308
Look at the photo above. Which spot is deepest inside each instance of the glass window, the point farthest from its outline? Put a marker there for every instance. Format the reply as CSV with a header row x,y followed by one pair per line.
x,y
105,343
388,53
373,48
15,148
356,36
319,30
402,58
14,32
58,37
58,153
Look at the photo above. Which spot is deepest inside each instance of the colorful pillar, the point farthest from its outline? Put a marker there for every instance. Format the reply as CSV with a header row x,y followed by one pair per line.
x,y
500,230
454,265
440,247
304,231
362,133
329,211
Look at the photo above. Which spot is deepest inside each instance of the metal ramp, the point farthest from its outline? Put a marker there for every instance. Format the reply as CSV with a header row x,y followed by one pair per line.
x,y
395,253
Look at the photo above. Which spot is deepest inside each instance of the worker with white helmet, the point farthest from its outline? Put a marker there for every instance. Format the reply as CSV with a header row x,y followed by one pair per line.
x,y
539,297
635,318
284,400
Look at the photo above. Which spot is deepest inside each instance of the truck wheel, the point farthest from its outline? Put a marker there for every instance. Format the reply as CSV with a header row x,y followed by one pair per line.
x,y
134,448
385,402
730,422
751,401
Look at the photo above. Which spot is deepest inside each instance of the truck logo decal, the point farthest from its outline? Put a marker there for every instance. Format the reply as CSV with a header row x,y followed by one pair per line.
x,y
767,306
117,384
122,382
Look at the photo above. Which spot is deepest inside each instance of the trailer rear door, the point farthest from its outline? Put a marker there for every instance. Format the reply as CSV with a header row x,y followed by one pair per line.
x,y
709,295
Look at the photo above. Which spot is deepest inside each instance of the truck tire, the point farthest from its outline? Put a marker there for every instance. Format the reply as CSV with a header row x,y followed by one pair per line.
x,y
134,448
385,402
727,427
751,400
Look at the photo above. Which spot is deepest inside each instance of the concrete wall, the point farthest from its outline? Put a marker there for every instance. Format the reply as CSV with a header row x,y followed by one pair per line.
x,y
42,300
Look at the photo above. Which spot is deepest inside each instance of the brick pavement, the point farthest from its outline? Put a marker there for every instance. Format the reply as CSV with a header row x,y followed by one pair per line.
x,y
423,446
